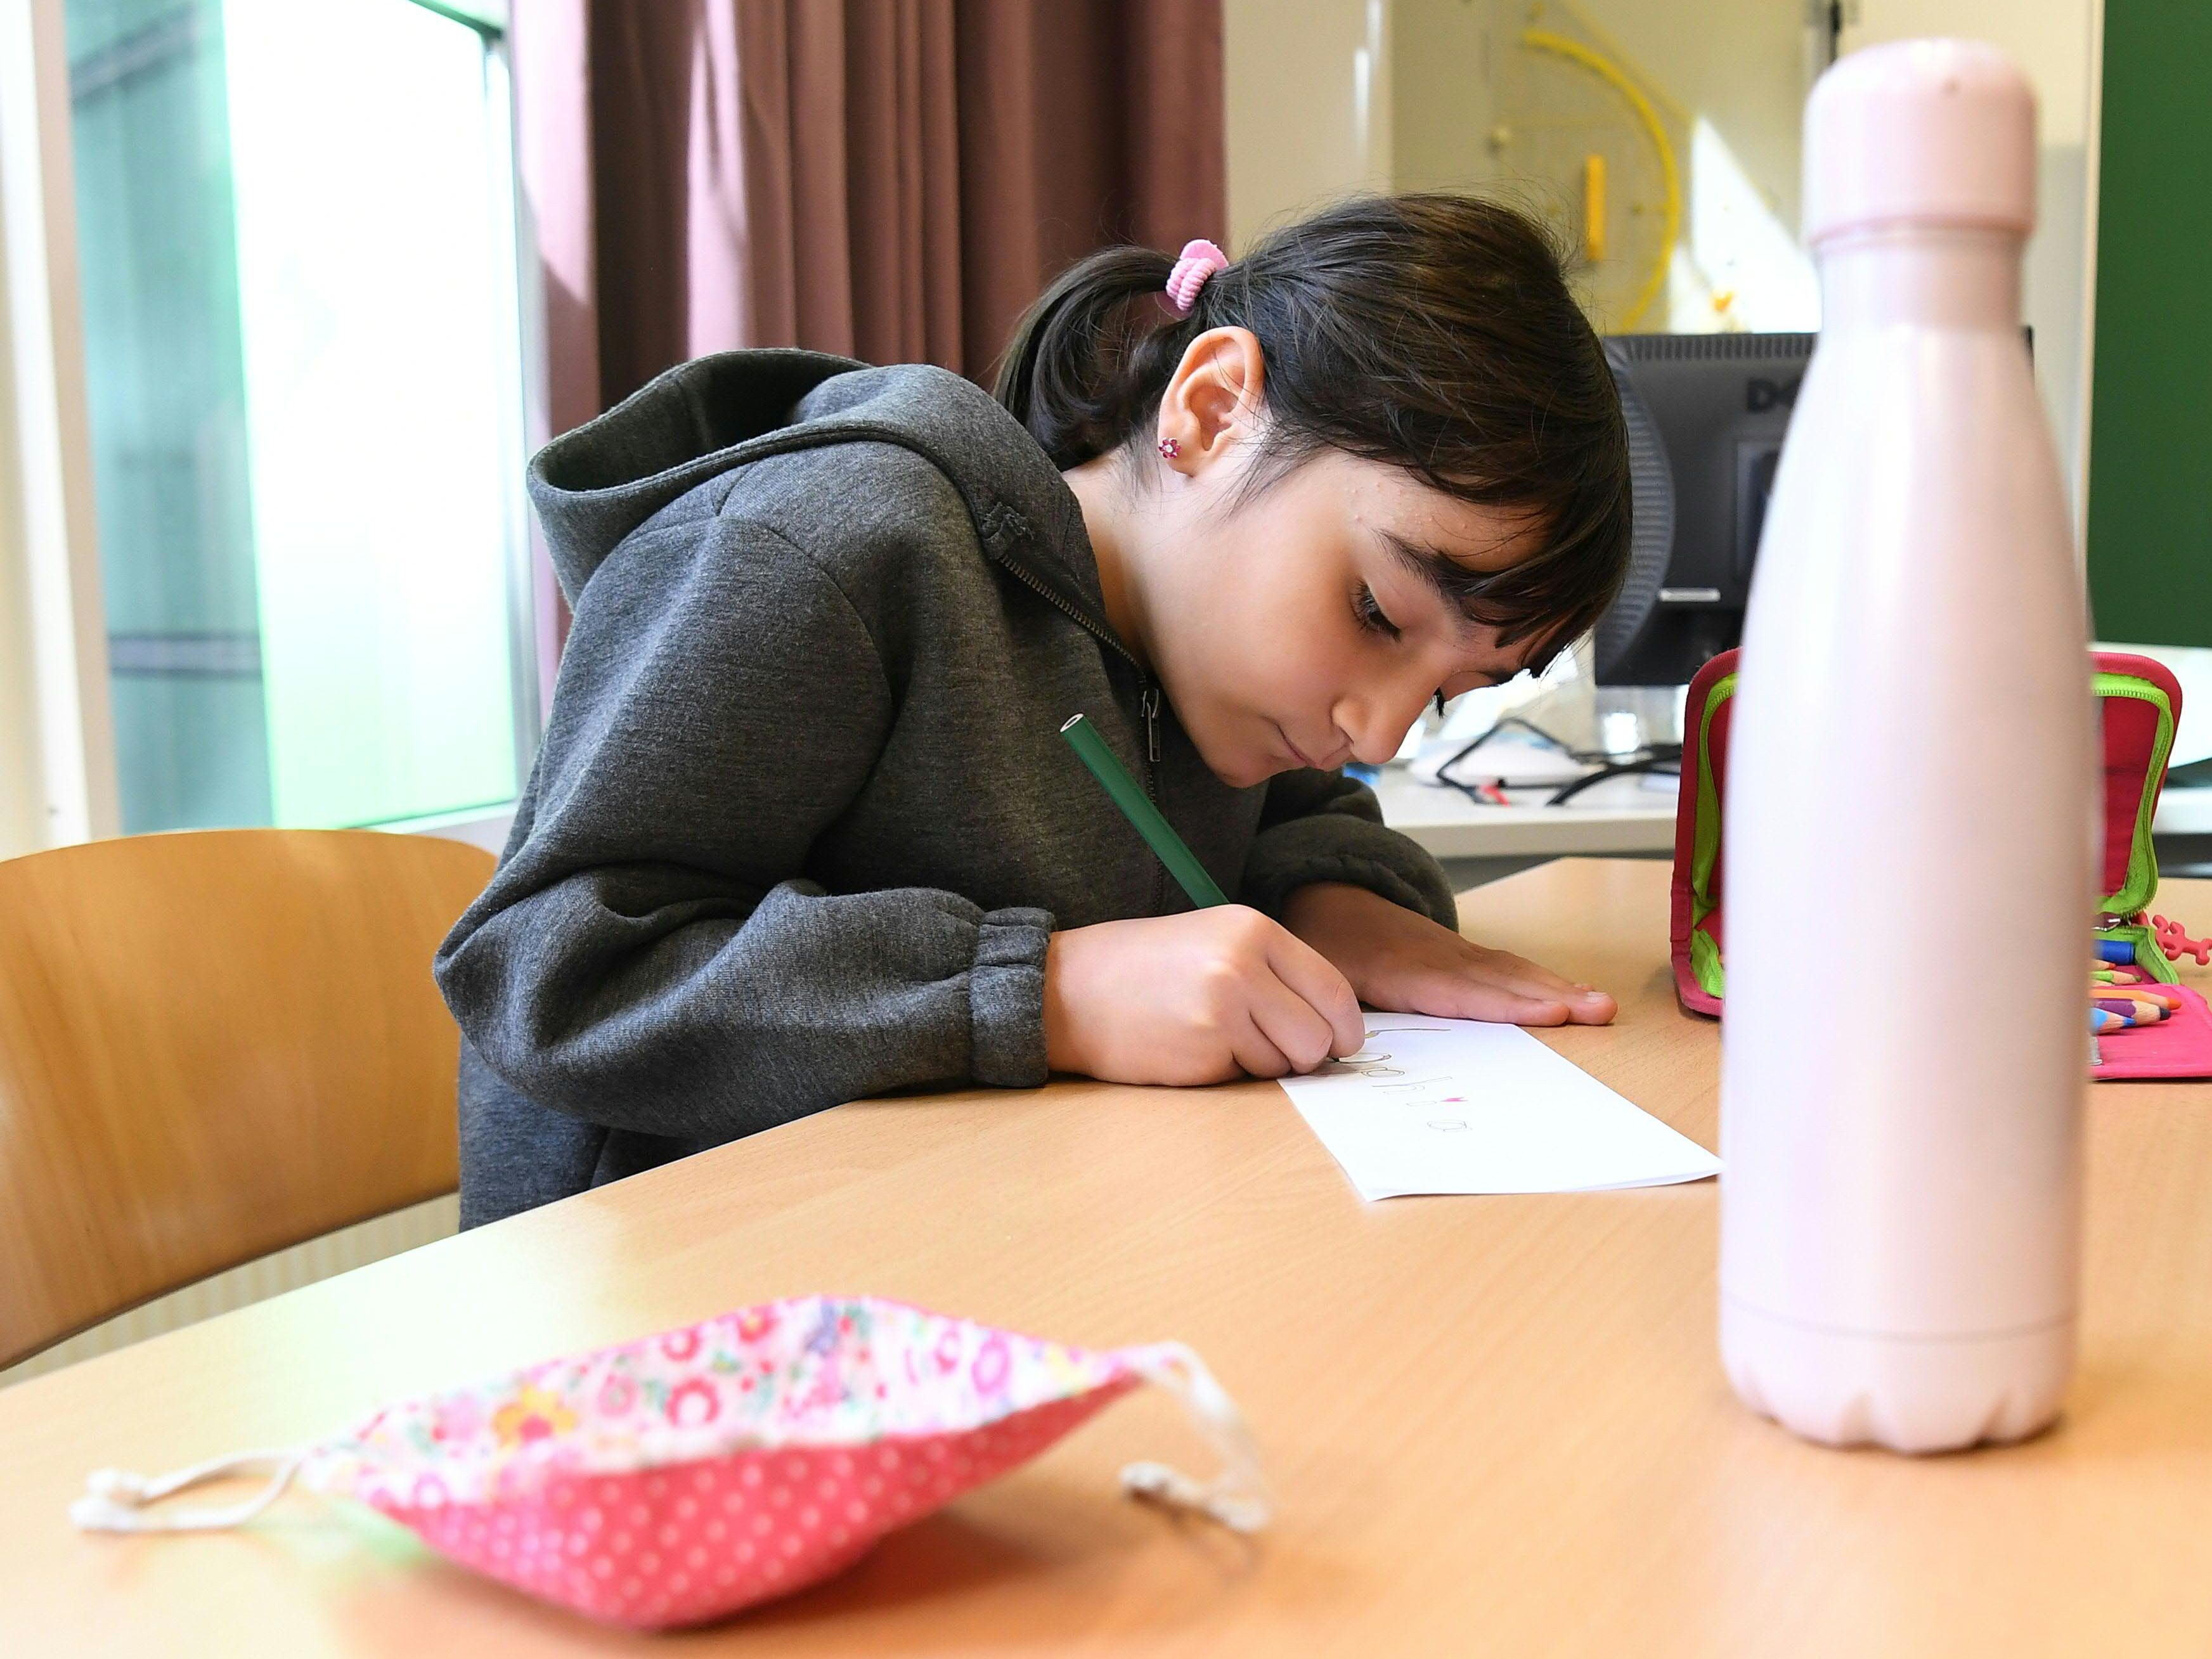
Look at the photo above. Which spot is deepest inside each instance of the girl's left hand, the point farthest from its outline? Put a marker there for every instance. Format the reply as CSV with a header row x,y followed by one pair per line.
x,y
1403,962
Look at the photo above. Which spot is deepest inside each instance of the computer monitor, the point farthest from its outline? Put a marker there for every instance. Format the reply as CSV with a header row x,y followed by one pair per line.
x,y
1706,414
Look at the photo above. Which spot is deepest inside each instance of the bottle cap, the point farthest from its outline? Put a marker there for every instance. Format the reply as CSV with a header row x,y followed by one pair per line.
x,y
1929,132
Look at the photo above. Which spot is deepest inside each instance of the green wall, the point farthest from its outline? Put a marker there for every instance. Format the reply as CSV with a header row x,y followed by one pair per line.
x,y
2150,455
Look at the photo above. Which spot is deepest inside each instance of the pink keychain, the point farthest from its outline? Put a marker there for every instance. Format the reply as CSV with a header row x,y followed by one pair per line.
x,y
676,1479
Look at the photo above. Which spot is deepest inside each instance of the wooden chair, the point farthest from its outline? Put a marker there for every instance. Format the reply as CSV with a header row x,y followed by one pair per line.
x,y
213,1045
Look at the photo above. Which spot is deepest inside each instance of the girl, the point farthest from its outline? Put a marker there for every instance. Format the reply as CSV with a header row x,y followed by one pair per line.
x,y
803,827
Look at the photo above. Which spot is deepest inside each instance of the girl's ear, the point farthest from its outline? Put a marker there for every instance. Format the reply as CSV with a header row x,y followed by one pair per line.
x,y
1212,400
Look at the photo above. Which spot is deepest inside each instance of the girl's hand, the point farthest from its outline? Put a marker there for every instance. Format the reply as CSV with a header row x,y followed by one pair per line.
x,y
1404,963
1196,998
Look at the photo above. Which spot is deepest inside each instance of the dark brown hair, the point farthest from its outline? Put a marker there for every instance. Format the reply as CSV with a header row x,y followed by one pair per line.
x,y
1432,332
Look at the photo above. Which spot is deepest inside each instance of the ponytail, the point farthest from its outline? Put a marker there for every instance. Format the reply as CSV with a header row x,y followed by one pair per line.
x,y
1435,333
1085,367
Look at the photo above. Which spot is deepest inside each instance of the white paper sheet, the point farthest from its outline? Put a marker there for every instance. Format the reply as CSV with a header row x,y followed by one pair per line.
x,y
1456,1106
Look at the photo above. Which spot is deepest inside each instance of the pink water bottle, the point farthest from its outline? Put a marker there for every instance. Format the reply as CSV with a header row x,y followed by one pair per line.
x,y
1909,807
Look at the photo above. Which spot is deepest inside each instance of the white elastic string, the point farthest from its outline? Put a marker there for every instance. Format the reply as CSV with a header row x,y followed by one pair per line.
x,y
1238,1497
115,1499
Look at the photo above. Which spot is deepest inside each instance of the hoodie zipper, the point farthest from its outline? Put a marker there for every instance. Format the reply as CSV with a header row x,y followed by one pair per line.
x,y
1037,585
1148,699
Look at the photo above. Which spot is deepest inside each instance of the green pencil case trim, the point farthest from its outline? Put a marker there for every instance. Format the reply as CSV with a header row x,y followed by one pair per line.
x,y
2141,883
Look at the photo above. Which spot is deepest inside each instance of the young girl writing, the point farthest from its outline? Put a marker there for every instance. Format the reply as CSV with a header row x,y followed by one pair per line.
x,y
803,828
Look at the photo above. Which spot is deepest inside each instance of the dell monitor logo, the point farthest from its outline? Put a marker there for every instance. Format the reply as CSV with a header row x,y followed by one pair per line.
x,y
1761,395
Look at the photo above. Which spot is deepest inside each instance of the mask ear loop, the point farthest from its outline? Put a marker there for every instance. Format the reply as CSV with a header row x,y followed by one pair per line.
x,y
1238,1497
115,1499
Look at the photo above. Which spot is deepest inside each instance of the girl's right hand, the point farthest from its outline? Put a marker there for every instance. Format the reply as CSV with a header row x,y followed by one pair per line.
x,y
1200,997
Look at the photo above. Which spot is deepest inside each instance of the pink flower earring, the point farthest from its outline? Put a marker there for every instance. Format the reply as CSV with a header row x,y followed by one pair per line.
x,y
1169,448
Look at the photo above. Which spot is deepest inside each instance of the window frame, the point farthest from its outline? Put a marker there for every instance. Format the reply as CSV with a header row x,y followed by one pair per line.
x,y
58,758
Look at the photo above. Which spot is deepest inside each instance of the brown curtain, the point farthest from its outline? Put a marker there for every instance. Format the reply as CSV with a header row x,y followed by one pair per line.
x,y
892,178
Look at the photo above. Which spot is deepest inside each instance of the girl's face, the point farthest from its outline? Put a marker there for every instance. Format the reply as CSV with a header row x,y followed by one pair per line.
x,y
1304,628
1302,624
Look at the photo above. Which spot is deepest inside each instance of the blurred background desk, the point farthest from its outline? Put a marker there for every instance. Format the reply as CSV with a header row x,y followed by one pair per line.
x,y
1623,819
1476,842
2182,833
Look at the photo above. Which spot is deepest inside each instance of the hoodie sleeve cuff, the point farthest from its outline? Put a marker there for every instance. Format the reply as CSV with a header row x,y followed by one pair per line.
x,y
1331,847
1005,999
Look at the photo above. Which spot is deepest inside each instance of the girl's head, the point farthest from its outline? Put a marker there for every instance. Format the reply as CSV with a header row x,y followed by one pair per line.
x,y
1400,468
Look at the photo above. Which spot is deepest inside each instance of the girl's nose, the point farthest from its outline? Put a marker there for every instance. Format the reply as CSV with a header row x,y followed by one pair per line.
x,y
1377,726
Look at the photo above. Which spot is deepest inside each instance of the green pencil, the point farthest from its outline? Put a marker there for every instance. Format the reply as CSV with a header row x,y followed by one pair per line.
x,y
1159,835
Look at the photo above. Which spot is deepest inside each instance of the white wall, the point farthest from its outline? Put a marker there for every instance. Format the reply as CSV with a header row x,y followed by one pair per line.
x,y
1307,88
1742,66
2054,42
1737,68
2049,38
1441,113
56,742
22,788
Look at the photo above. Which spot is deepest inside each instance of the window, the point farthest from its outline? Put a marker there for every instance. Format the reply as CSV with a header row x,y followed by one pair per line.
x,y
296,229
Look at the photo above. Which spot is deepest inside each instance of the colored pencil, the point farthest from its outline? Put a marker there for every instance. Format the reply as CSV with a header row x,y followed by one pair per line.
x,y
2165,999
2136,1014
1145,818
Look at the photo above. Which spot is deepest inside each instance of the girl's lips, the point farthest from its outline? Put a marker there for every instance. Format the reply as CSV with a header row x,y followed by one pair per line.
x,y
1299,754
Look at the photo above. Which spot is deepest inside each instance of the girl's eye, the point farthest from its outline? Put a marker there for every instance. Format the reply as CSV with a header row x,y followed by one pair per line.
x,y
1370,614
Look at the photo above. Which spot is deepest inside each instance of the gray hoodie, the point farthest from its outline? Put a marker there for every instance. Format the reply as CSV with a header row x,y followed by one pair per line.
x,y
803,818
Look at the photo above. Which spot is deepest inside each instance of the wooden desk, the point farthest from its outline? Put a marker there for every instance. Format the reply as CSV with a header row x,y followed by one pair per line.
x,y
1496,1426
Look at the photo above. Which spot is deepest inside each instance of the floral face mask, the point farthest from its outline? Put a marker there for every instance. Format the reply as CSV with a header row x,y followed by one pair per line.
x,y
676,1479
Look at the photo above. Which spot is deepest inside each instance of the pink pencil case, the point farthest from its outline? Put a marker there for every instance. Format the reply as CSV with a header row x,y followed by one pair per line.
x,y
2139,702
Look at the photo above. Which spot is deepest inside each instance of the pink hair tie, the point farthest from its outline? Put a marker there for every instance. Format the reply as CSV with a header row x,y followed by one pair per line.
x,y
1199,260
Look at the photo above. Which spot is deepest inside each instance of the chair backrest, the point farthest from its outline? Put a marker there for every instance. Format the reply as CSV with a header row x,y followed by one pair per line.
x,y
213,1045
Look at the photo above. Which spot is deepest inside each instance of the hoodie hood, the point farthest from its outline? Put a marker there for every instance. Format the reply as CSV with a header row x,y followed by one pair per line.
x,y
595,485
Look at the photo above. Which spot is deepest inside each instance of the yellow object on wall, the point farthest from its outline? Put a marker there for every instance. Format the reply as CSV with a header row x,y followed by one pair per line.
x,y
1593,207
1670,173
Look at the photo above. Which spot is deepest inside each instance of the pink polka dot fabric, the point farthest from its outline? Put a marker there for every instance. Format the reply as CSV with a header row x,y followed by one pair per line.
x,y
676,1479
696,1541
